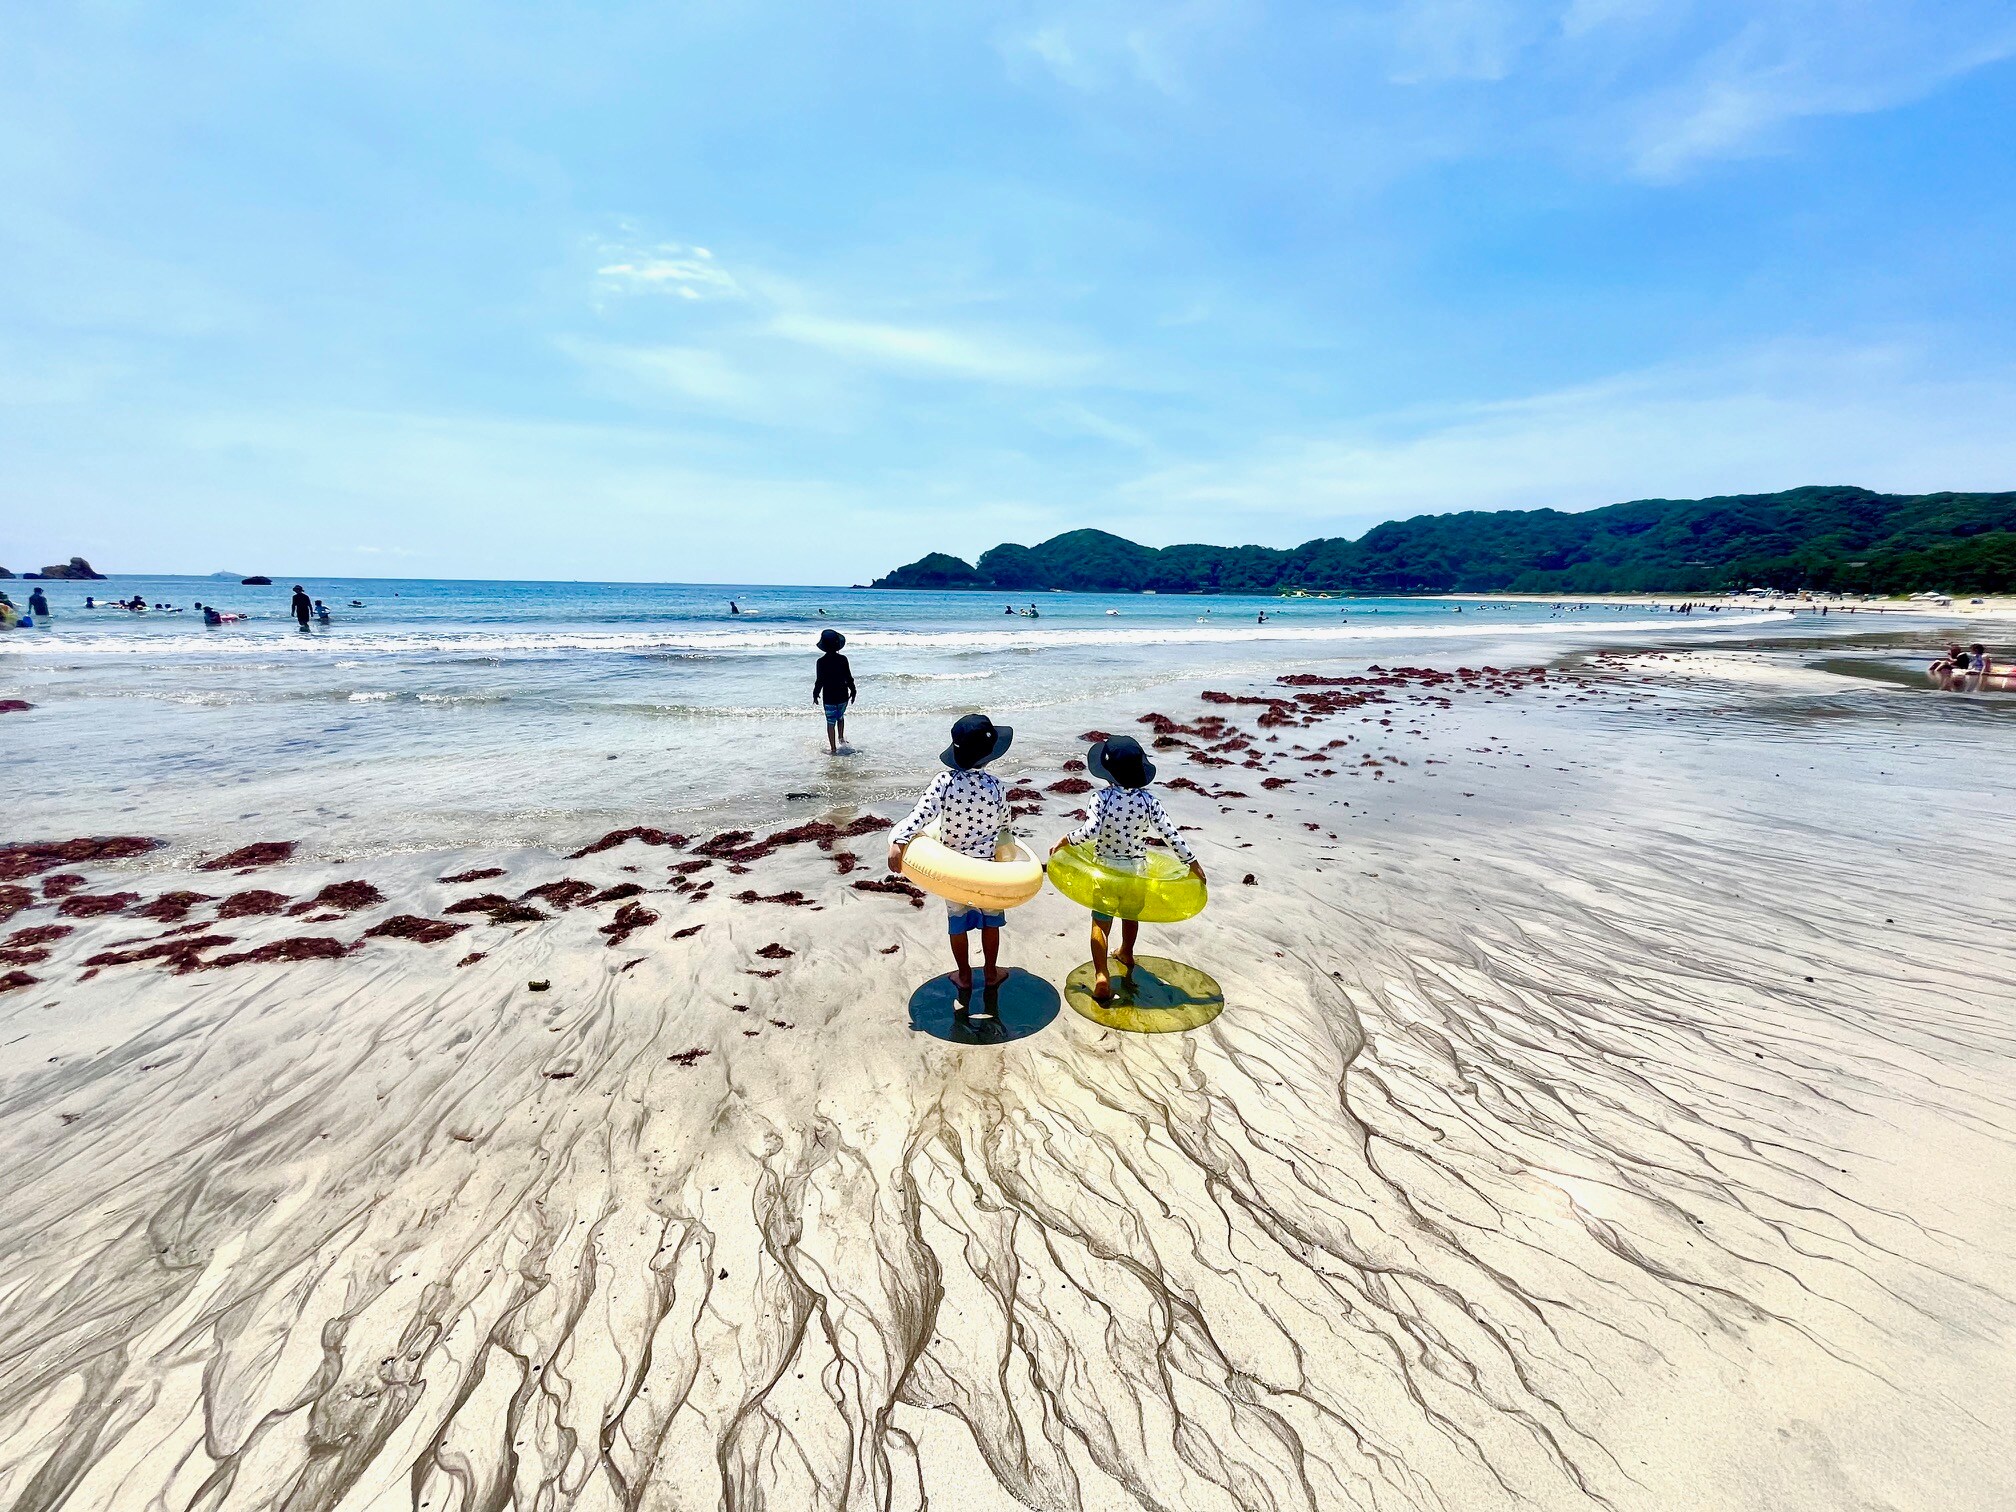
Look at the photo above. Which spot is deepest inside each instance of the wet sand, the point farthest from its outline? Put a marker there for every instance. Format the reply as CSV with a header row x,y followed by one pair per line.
x,y
1611,1107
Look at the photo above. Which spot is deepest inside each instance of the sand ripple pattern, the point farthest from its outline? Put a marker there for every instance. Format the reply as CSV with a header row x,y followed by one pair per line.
x,y
1482,1154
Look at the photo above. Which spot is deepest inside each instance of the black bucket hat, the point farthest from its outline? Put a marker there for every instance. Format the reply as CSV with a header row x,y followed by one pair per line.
x,y
831,640
976,740
1120,759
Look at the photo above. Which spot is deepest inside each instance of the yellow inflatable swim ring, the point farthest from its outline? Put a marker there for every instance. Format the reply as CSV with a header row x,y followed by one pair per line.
x,y
1012,878
1158,889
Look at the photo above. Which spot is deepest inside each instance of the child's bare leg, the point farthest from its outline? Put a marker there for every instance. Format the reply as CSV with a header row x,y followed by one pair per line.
x,y
1129,929
990,949
1102,981
962,975
832,740
843,736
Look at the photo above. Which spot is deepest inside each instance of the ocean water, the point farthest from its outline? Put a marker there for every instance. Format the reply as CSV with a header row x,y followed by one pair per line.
x,y
434,713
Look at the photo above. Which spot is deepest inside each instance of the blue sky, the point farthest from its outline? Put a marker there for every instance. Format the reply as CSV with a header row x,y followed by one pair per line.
x,y
750,292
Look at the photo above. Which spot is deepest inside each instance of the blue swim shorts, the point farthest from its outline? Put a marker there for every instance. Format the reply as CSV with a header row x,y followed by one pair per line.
x,y
835,713
961,918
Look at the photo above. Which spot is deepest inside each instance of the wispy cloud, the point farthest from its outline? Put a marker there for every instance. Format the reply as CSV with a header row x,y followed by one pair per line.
x,y
669,268
983,355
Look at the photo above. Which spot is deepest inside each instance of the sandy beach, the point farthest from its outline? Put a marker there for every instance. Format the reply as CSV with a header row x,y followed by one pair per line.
x,y
1611,1107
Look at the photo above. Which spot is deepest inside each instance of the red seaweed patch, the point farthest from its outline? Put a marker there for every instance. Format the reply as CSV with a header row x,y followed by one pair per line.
x,y
15,706
641,833
62,882
257,900
776,952
91,905
265,853
38,934
563,894
481,903
35,857
630,918
1071,785
480,874
616,894
686,1057
470,959
13,981
688,932
345,897
297,948
171,907
180,956
13,900
791,899
413,927
893,885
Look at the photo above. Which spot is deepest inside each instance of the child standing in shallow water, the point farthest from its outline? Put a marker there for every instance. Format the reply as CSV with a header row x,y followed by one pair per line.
x,y
1123,817
833,686
971,809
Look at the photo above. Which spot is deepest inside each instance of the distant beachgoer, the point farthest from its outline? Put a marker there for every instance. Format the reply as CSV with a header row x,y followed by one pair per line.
x,y
1123,817
321,612
90,602
971,808
1978,667
1262,619
38,602
303,608
833,686
1007,608
733,607
1942,671
211,618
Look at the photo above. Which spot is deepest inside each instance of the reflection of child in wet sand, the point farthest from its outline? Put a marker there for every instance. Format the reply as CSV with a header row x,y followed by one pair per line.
x,y
1123,817
972,810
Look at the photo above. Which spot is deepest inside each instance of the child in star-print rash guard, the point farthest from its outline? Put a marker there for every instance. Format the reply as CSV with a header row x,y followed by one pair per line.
x,y
971,810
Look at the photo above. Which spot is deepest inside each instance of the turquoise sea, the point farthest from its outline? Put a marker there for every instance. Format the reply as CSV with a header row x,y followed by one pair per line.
x,y
450,713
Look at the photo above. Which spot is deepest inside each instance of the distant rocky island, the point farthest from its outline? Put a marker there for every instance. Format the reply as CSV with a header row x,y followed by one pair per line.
x,y
76,568
1831,539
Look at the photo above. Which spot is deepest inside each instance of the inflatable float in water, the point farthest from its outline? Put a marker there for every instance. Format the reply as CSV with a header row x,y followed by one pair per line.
x,y
1012,878
1158,889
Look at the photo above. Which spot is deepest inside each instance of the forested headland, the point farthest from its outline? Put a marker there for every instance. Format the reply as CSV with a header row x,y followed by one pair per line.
x,y
1827,539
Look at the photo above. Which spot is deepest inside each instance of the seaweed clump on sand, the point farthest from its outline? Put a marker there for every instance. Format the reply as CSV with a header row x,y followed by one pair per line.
x,y
413,927
264,853
642,833
92,905
344,897
630,918
297,948
171,907
893,885
480,874
253,901
34,857
14,981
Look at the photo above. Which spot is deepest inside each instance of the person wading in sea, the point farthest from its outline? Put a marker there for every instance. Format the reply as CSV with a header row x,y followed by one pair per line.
x,y
303,606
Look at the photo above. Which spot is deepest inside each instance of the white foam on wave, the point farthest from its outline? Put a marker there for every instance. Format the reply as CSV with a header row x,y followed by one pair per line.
x,y
682,640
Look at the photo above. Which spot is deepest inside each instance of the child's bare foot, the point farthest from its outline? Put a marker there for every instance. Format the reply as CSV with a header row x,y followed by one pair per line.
x,y
1102,987
996,975
962,981
1125,958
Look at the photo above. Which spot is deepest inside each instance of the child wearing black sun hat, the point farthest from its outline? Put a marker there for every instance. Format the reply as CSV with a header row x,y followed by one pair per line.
x,y
1122,819
971,808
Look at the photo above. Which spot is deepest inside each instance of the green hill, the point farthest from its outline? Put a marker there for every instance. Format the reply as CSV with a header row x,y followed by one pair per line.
x,y
1845,539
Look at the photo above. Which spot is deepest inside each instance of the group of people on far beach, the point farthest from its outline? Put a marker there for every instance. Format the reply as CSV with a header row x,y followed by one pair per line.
x,y
1964,669
970,807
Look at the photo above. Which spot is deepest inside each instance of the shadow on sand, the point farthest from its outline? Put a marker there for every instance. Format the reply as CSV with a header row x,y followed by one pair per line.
x,y
1019,1007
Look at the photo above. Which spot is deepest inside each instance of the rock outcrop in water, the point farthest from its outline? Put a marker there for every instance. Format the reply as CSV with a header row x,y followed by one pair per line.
x,y
76,569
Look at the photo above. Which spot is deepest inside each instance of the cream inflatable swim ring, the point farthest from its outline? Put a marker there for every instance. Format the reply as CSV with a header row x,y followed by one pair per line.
x,y
1012,878
1159,889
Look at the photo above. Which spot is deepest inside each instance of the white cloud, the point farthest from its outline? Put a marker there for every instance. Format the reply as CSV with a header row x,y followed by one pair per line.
x,y
1797,59
688,272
